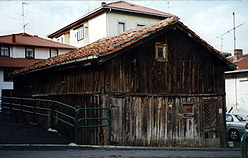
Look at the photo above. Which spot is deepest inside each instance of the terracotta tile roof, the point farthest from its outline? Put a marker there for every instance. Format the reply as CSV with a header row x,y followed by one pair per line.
x,y
140,9
119,5
17,62
25,39
242,64
114,44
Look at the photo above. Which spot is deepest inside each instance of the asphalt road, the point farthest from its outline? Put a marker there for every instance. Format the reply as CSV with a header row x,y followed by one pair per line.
x,y
100,153
14,131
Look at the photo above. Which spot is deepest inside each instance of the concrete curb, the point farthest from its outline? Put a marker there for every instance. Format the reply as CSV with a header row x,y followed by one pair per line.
x,y
105,147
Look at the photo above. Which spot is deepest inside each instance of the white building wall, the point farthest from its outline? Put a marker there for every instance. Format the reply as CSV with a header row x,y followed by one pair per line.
x,y
130,20
18,52
62,51
237,93
97,27
42,53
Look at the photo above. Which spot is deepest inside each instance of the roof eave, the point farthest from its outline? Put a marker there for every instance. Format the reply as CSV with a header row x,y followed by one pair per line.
x,y
230,64
237,71
138,12
71,25
30,45
57,65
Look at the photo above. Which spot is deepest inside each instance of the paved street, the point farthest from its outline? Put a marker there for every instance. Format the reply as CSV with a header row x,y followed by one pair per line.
x,y
100,153
13,131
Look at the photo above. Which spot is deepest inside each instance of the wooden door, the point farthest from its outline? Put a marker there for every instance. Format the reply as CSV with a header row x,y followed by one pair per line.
x,y
210,118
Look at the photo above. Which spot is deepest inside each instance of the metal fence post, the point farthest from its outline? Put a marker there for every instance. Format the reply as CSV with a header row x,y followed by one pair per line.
x,y
21,107
75,125
34,111
110,118
10,106
243,145
52,115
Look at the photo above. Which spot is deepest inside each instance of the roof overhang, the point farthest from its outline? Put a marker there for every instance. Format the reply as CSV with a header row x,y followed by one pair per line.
x,y
38,46
96,12
237,71
194,36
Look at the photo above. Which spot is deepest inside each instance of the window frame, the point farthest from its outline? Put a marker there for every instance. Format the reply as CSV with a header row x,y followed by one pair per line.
x,y
81,29
8,51
26,51
186,104
165,54
140,25
57,52
124,25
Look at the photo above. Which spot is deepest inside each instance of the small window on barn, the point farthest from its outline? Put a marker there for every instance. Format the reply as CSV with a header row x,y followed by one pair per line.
x,y
161,51
187,108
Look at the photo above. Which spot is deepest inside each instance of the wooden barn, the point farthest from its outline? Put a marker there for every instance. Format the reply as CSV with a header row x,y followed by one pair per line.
x,y
164,85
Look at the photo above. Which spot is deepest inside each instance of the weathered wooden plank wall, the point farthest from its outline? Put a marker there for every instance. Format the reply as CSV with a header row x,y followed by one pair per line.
x,y
146,96
156,121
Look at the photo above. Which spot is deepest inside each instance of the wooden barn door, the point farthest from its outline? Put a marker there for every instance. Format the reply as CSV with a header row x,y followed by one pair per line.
x,y
117,106
210,118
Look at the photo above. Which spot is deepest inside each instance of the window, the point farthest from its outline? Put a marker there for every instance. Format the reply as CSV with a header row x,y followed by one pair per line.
x,y
61,39
187,108
161,52
29,53
53,52
139,25
80,33
121,27
4,51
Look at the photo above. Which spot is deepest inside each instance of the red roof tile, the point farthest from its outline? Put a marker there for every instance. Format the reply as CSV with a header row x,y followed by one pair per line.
x,y
17,62
25,39
242,63
111,45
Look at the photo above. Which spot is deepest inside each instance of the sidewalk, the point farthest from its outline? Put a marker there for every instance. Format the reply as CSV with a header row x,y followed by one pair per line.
x,y
13,131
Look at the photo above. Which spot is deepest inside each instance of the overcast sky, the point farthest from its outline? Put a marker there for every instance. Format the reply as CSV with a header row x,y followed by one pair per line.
x,y
208,19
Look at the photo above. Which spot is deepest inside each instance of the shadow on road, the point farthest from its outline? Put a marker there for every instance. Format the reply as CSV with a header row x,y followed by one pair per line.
x,y
13,131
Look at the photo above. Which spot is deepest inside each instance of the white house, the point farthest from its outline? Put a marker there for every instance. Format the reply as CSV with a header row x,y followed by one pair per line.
x,y
107,20
237,85
21,50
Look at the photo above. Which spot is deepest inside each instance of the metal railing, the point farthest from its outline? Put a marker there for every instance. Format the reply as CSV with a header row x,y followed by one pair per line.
x,y
244,145
52,112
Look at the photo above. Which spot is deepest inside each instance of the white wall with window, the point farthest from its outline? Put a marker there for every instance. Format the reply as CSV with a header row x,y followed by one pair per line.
x,y
18,52
121,26
131,21
30,52
53,52
5,51
42,53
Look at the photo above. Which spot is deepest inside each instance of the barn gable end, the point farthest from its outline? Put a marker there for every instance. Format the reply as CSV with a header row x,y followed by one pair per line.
x,y
154,103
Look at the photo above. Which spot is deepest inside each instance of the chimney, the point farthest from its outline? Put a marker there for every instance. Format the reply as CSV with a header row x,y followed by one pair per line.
x,y
103,3
238,54
13,38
